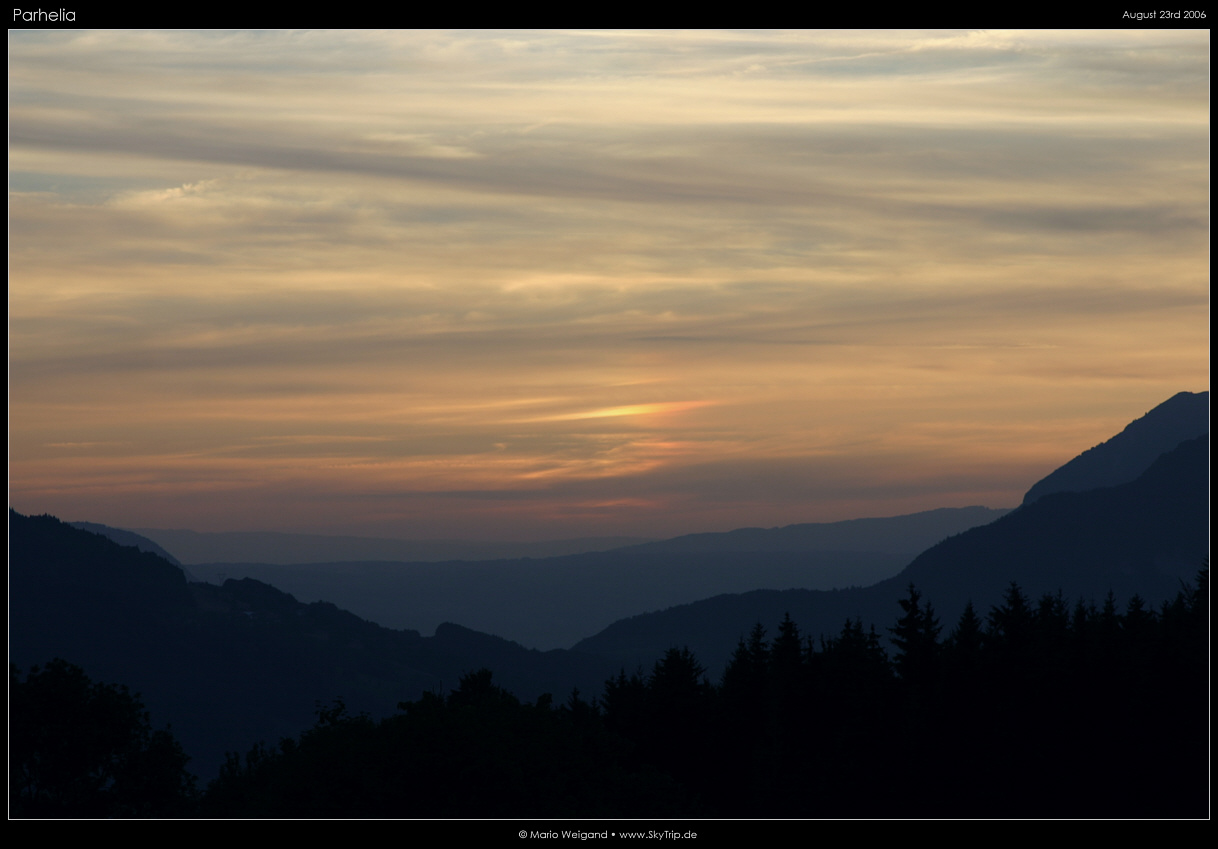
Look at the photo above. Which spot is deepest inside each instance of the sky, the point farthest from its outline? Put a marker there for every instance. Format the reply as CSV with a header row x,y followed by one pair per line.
x,y
543,285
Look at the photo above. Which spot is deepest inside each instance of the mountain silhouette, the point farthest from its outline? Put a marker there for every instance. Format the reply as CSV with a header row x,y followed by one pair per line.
x,y
128,538
1126,455
582,593
1142,537
193,547
904,535
231,665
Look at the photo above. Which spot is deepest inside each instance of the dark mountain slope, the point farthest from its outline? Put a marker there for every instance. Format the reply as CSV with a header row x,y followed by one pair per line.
x,y
128,538
229,665
1129,453
1142,537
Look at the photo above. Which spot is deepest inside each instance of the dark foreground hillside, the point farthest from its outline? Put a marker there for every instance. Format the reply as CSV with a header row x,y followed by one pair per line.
x,y
229,665
1074,683
1040,709
1043,709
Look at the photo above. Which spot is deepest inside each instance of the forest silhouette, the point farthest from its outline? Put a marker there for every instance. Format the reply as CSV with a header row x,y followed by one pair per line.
x,y
1044,708
983,681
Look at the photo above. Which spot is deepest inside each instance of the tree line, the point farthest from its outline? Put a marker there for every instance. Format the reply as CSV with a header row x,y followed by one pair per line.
x,y
1043,708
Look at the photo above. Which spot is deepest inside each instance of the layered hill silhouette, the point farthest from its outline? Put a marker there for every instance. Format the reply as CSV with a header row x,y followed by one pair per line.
x,y
127,538
230,665
901,535
288,548
242,661
1121,459
554,602
1142,537
234,663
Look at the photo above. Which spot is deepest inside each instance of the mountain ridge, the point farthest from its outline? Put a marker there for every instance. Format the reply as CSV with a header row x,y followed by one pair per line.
x,y
581,593
233,664
243,661
279,548
1142,537
1124,457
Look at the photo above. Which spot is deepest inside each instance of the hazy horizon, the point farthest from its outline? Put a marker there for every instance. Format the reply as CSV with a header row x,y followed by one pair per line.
x,y
556,285
562,539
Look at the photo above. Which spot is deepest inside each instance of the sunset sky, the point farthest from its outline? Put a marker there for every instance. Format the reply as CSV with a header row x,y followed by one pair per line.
x,y
544,285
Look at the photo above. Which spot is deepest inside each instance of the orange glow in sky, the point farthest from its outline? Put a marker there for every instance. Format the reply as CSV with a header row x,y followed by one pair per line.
x,y
545,285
